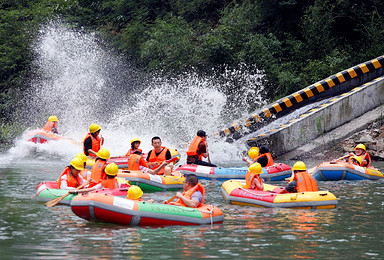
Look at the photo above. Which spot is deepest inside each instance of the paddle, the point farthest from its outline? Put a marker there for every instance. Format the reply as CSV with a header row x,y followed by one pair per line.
x,y
174,197
310,171
53,202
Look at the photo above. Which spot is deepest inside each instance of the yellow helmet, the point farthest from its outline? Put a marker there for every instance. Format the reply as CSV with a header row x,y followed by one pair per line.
x,y
134,192
53,119
111,169
299,166
94,128
360,146
135,140
82,156
77,163
103,154
255,168
253,152
357,158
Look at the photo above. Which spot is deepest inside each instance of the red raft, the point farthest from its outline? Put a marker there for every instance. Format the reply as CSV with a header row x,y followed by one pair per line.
x,y
113,209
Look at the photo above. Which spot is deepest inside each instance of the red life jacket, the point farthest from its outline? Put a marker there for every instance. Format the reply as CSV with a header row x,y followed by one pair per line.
x,y
305,182
130,151
72,181
365,156
194,147
269,157
110,184
49,125
134,162
97,172
249,179
96,144
188,194
158,158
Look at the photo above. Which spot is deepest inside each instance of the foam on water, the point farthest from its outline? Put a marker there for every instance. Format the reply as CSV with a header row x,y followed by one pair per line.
x,y
81,83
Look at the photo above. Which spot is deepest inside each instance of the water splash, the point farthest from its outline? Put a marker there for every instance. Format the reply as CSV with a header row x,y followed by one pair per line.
x,y
81,82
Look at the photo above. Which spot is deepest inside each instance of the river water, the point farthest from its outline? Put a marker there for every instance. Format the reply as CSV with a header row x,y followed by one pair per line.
x,y
81,83
30,230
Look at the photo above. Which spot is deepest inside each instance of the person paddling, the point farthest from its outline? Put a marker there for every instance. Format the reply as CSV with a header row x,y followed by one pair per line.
x,y
70,178
361,151
264,157
98,169
199,149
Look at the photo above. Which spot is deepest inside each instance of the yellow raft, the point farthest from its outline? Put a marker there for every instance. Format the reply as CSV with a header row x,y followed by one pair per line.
x,y
235,193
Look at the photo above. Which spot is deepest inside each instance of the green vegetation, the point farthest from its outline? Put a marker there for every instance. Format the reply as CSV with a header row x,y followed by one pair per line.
x,y
295,42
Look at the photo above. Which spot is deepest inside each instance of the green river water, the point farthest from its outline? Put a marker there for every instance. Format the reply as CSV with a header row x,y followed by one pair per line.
x,y
29,230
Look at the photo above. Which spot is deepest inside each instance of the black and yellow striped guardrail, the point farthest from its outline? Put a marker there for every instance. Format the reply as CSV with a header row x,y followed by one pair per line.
x,y
361,74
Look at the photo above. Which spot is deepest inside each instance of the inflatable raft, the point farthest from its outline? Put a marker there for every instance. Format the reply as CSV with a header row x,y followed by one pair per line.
x,y
151,183
329,171
122,161
112,209
276,172
234,192
46,191
40,136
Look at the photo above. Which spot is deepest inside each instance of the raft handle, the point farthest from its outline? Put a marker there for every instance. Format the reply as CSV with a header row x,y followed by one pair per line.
x,y
323,194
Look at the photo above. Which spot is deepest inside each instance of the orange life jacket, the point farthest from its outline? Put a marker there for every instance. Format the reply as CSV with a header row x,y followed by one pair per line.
x,y
305,182
365,156
269,157
159,159
130,151
97,172
49,125
194,147
84,174
134,162
96,144
110,183
72,181
188,194
249,179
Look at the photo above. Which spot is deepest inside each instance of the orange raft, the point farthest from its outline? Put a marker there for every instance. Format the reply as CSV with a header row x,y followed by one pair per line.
x,y
112,209
40,136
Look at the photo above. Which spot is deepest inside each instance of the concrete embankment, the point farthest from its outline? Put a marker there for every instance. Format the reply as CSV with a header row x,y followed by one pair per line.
x,y
333,121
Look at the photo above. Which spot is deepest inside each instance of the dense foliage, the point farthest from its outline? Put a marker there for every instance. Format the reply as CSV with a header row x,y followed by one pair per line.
x,y
295,42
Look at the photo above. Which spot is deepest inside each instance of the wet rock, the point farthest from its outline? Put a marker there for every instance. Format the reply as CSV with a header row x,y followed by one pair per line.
x,y
365,138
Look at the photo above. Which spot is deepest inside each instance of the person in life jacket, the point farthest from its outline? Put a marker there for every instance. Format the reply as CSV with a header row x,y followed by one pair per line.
x,y
136,162
51,125
135,143
86,174
159,154
70,178
98,169
263,157
361,151
109,183
252,179
92,141
199,149
302,181
355,160
193,195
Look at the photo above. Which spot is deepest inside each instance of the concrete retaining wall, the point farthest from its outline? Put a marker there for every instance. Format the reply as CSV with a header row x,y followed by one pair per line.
x,y
334,85
322,120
